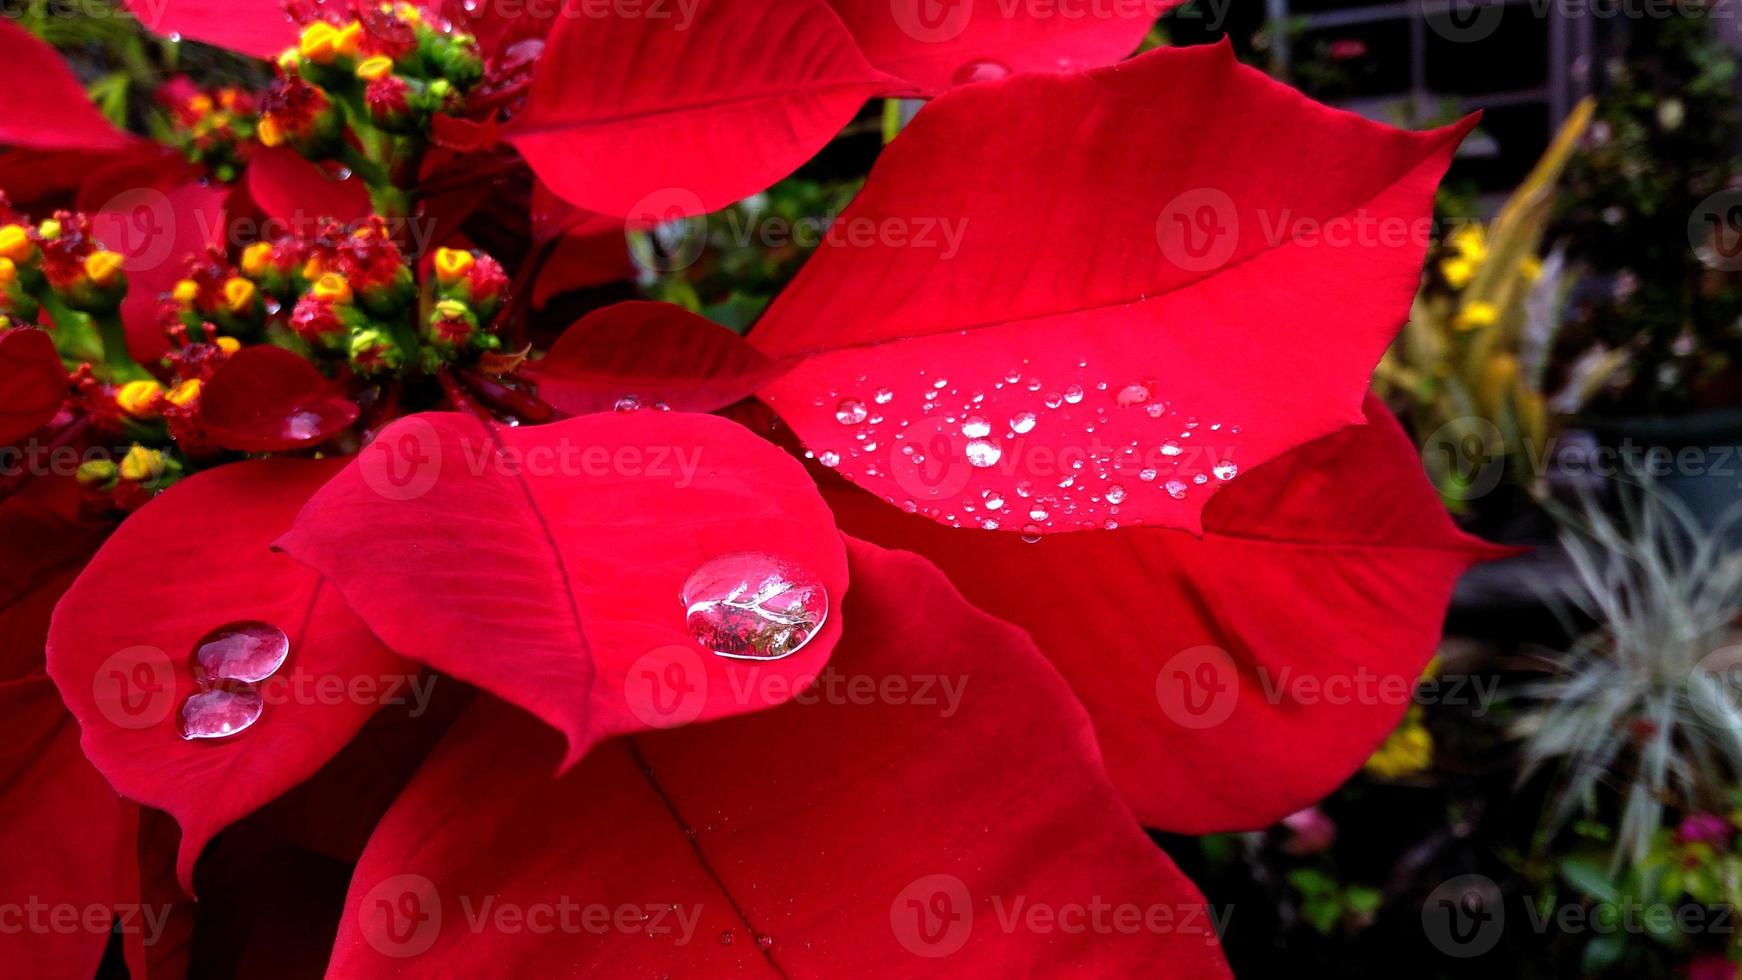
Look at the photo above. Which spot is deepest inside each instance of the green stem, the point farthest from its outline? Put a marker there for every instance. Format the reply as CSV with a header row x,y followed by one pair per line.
x,y
891,120
118,364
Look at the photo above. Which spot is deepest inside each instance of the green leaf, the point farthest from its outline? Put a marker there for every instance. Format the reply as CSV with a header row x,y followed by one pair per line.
x,y
1588,877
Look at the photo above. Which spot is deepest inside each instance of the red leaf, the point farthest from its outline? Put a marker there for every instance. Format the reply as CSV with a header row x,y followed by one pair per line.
x,y
581,260
33,384
545,564
658,116
855,833
936,46
656,353
194,559
981,251
260,28
291,189
267,399
67,825
1236,678
46,108
158,232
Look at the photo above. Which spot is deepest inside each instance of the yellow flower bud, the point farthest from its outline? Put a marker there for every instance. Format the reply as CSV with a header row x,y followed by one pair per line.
x,y
319,42
375,69
1471,242
256,257
8,272
138,398
49,230
15,243
228,345
239,295
313,269
270,132
185,393
289,59
200,104
333,288
186,292
1531,268
104,267
142,465
348,39
1476,315
452,264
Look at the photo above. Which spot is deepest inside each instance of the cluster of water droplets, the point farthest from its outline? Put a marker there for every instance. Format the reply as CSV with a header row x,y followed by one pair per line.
x,y
229,664
934,436
750,605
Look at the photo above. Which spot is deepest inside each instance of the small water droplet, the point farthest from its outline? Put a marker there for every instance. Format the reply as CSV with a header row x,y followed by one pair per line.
x,y
726,938
1031,533
993,501
1073,394
1022,423
984,452
1176,489
1054,399
1225,470
851,412
628,403
829,459
765,942
981,70
1024,489
884,396
1038,513
305,424
1012,376
1171,449
1147,475
976,428
753,606
1134,393
220,711
243,651
1115,494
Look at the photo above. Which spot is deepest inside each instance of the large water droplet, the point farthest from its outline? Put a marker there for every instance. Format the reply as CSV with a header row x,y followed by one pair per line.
x,y
1073,394
884,396
1031,533
753,606
245,651
1115,494
308,423
829,459
981,70
628,403
851,412
1225,470
220,711
1135,393
976,428
1022,423
984,452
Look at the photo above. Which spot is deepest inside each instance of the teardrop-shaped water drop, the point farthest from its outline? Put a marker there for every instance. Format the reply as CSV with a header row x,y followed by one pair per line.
x,y
220,711
243,651
851,412
750,605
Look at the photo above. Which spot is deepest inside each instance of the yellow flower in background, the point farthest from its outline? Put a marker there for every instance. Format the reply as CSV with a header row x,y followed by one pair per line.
x,y
1458,271
1475,315
142,465
139,398
1470,242
1406,751
1531,269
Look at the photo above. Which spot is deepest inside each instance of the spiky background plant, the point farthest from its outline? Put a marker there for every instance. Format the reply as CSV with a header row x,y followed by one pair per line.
x,y
1643,713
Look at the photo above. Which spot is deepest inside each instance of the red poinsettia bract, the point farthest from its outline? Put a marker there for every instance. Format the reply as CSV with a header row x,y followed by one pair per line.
x,y
1137,302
